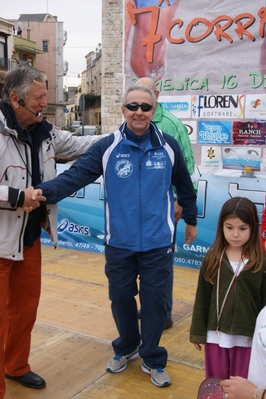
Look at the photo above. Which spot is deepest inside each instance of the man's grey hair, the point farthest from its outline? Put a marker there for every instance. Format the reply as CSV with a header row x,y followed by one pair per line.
x,y
19,79
134,87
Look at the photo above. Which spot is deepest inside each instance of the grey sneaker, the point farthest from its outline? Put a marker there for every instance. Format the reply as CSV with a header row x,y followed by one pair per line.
x,y
119,363
159,377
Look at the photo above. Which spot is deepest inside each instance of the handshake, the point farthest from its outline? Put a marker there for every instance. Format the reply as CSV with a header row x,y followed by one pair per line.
x,y
32,199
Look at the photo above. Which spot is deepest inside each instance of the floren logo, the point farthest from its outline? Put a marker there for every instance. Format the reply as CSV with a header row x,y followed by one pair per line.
x,y
218,106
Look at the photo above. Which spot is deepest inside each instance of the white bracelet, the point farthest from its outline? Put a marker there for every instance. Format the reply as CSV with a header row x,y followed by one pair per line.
x,y
257,393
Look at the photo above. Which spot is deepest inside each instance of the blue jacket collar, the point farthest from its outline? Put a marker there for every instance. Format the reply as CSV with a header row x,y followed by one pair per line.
x,y
156,134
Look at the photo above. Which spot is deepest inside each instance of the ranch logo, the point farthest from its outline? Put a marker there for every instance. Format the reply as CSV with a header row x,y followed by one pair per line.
x,y
123,168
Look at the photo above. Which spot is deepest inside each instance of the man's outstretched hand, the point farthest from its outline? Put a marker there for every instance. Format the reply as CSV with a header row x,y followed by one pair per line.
x,y
32,199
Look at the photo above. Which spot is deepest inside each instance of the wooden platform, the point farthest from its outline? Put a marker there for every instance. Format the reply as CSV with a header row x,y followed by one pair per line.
x,y
71,342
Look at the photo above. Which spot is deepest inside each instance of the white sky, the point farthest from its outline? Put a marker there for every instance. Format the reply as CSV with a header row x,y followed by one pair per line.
x,y
82,21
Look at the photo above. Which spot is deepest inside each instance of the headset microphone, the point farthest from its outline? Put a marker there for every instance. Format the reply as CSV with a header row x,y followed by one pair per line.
x,y
21,102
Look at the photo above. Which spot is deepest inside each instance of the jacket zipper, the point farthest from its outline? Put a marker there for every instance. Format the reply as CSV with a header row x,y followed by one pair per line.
x,y
233,304
24,215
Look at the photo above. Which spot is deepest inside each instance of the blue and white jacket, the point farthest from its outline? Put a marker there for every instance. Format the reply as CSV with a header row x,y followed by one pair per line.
x,y
139,203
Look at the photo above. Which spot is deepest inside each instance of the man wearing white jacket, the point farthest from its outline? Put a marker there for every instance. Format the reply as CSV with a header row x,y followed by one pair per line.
x,y
255,385
28,147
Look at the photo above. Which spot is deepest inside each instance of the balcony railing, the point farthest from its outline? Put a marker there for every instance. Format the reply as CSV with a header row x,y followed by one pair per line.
x,y
65,67
64,37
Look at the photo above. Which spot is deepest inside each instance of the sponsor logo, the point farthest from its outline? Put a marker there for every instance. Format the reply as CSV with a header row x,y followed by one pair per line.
x,y
255,103
214,106
214,132
65,225
176,106
119,155
189,129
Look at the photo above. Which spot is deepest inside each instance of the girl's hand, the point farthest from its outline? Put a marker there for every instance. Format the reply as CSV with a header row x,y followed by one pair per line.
x,y
198,347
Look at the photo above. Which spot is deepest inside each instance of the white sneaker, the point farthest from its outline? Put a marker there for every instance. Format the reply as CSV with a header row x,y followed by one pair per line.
x,y
159,377
119,363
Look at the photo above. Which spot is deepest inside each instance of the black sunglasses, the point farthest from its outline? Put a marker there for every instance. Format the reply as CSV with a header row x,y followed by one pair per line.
x,y
144,107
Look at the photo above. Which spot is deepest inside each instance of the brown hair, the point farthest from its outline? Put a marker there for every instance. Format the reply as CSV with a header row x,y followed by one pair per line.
x,y
245,210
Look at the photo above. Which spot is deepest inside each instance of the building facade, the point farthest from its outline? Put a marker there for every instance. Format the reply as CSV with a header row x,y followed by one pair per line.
x,y
91,77
112,64
6,48
49,36
37,40
90,88
103,75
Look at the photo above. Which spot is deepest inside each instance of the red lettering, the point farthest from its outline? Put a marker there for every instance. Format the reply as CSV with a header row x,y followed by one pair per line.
x,y
262,15
179,23
241,28
219,30
218,26
195,22
152,37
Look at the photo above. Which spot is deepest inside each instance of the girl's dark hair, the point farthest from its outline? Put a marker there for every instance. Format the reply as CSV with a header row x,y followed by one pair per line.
x,y
245,210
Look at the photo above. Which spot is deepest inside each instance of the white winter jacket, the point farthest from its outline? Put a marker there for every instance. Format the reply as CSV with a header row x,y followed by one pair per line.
x,y
16,171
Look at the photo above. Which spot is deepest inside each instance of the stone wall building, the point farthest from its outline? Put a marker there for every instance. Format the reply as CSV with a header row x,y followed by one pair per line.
x,y
91,77
112,64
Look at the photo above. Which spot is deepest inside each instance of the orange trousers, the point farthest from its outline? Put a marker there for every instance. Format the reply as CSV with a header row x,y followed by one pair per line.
x,y
20,289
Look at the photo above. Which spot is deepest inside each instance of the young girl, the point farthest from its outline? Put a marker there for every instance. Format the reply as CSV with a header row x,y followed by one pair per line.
x,y
231,291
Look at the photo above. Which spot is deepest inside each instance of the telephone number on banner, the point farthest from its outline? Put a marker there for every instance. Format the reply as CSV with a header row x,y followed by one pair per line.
x,y
187,262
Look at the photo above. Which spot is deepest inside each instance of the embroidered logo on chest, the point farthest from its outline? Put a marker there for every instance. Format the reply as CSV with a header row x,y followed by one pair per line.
x,y
123,168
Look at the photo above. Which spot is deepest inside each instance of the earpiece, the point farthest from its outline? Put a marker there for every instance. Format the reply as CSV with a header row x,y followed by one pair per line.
x,y
21,102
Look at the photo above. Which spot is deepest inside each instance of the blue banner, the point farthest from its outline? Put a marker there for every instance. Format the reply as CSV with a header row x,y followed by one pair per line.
x,y
81,216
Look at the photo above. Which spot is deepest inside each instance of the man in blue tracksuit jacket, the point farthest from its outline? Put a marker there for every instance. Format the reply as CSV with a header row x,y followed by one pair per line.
x,y
139,164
